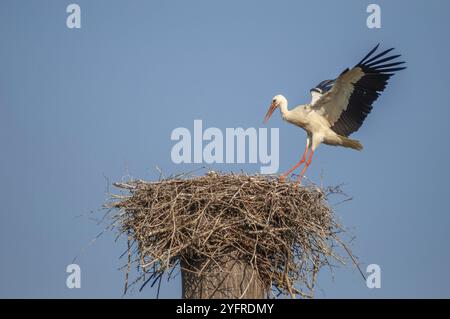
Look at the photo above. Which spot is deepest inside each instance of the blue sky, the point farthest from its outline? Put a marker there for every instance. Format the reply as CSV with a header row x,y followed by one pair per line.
x,y
79,105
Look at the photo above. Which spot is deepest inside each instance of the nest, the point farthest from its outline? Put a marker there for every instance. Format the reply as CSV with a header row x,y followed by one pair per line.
x,y
285,232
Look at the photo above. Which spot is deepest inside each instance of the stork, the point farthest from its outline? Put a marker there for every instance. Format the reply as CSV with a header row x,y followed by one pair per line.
x,y
339,107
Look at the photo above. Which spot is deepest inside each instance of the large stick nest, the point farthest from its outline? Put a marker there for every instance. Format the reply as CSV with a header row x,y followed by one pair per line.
x,y
284,231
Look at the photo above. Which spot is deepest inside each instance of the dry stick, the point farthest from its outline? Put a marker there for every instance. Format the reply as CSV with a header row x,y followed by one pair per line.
x,y
129,263
351,256
248,285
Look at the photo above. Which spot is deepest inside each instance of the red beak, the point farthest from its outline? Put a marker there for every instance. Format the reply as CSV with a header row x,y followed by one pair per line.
x,y
272,108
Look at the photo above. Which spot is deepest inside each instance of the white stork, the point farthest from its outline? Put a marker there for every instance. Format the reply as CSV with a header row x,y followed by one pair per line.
x,y
338,107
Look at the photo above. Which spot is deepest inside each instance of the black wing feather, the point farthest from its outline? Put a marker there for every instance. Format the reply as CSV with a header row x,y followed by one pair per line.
x,y
367,90
369,54
378,56
323,86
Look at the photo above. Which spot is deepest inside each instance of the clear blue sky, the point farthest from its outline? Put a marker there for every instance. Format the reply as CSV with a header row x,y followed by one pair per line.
x,y
78,105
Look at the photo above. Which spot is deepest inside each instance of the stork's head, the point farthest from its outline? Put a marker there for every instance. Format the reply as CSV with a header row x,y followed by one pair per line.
x,y
277,101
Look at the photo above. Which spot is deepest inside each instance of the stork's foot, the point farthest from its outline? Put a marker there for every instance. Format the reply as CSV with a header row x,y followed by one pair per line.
x,y
282,179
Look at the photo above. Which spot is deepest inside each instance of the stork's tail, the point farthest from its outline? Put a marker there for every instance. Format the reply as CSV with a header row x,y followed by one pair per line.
x,y
348,142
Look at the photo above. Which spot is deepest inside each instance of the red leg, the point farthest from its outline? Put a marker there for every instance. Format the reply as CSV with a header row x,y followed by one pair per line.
x,y
306,166
283,176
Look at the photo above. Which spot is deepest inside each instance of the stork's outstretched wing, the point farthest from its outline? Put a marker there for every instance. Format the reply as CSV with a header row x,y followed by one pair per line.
x,y
346,101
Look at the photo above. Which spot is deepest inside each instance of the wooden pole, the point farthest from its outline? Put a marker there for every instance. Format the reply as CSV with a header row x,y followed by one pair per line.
x,y
231,279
